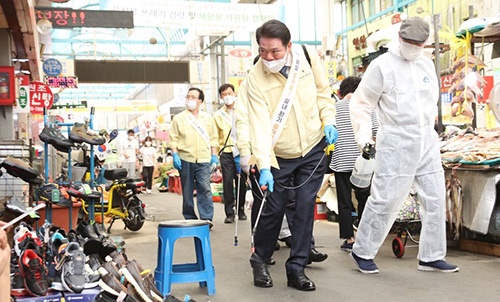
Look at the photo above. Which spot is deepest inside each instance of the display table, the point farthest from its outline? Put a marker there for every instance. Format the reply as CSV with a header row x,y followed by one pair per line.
x,y
479,197
479,189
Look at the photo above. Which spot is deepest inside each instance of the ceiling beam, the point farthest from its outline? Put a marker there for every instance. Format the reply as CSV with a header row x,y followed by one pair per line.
x,y
20,19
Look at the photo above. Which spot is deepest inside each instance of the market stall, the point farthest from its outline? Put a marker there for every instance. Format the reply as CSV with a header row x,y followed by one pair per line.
x,y
471,156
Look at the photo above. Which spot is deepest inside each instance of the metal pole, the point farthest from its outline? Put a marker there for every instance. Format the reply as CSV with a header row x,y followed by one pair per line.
x,y
438,70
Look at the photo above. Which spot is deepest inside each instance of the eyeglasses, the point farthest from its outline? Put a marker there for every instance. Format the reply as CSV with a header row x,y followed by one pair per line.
x,y
191,97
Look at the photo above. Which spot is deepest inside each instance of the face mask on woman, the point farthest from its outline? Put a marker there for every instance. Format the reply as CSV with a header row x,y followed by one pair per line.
x,y
148,144
130,137
275,65
409,51
191,104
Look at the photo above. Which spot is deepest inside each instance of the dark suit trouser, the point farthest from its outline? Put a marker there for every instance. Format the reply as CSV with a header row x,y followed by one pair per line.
x,y
292,172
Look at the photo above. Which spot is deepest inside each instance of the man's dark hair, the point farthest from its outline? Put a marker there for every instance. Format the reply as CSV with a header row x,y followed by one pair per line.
x,y
224,87
200,92
274,29
348,85
130,131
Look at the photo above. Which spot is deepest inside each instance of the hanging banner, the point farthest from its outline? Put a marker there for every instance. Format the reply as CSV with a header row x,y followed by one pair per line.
x,y
195,15
23,99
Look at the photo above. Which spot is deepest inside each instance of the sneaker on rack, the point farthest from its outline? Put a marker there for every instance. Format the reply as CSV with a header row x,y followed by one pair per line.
x,y
147,279
92,277
56,241
113,270
25,236
19,168
34,273
53,136
437,266
17,288
133,276
80,133
110,284
73,268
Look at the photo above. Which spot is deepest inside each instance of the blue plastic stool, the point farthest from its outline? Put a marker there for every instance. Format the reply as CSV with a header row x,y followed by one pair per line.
x,y
167,273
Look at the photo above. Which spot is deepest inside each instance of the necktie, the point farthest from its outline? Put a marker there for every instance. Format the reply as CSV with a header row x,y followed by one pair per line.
x,y
284,71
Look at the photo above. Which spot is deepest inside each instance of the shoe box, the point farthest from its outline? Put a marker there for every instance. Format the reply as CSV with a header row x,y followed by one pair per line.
x,y
53,296
88,295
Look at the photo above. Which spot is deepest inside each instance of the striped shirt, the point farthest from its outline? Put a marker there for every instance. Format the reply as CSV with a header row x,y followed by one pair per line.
x,y
346,150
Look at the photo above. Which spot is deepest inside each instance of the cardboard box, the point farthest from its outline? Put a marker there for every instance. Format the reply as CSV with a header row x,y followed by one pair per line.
x,y
87,295
50,297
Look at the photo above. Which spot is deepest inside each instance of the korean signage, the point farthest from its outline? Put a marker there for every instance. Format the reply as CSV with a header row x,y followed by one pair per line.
x,y
239,61
195,15
61,82
52,67
63,17
40,97
23,99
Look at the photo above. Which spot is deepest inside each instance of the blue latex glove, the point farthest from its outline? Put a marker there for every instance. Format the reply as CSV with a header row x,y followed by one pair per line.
x,y
237,163
177,161
331,134
214,160
266,179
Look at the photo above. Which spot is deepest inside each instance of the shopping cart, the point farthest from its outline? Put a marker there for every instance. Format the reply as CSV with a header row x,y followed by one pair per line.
x,y
407,225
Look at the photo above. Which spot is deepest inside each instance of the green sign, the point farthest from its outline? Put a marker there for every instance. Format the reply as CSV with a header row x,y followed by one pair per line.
x,y
23,97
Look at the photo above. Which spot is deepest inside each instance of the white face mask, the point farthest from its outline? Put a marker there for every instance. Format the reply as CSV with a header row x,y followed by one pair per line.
x,y
229,100
148,144
275,65
130,138
409,51
191,104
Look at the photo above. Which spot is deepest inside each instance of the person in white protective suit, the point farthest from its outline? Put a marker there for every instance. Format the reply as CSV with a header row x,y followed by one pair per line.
x,y
401,85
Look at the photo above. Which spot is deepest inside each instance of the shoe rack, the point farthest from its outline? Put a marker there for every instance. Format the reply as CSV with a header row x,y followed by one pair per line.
x,y
46,164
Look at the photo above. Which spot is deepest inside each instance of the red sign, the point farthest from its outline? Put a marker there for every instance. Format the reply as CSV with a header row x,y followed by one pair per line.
x,y
40,96
446,83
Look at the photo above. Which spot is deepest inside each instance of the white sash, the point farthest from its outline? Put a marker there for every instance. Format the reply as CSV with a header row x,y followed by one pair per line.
x,y
199,128
286,99
226,117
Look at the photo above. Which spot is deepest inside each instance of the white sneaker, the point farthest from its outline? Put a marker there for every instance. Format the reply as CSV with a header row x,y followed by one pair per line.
x,y
148,191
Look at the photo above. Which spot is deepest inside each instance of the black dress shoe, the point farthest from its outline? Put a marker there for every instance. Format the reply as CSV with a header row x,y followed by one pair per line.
x,y
271,261
242,216
229,219
287,241
261,276
300,281
315,256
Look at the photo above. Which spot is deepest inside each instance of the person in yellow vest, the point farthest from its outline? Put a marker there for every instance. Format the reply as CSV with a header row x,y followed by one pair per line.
x,y
231,177
292,120
193,140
